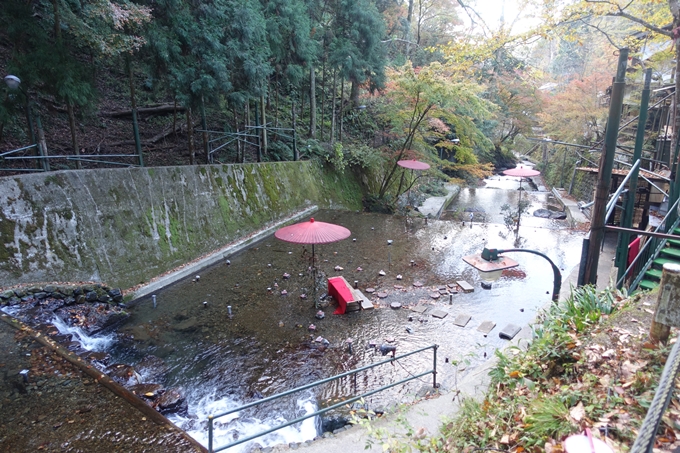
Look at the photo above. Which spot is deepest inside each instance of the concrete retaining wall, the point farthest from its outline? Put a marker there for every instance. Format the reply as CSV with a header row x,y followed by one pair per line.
x,y
125,226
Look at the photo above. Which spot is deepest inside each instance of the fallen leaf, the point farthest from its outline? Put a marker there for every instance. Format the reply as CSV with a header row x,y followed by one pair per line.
x,y
505,440
629,369
578,412
608,353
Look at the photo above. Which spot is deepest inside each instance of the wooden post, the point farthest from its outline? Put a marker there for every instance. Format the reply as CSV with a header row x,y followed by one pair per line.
x,y
667,311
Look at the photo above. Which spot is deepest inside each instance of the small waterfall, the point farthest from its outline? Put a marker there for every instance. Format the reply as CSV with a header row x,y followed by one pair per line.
x,y
234,426
97,343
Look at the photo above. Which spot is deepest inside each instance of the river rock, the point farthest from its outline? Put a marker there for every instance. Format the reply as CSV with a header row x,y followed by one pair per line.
x,y
91,296
548,214
188,325
6,295
97,357
92,318
171,401
123,374
147,390
152,368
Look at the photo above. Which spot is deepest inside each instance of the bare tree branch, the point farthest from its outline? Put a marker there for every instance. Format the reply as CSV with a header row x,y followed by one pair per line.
x,y
606,35
467,9
642,22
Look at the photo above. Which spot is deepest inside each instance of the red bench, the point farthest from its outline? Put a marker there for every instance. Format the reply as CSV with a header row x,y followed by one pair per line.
x,y
339,288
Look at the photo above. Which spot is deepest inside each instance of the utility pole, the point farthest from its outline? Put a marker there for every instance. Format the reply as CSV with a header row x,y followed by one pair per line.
x,y
605,172
629,206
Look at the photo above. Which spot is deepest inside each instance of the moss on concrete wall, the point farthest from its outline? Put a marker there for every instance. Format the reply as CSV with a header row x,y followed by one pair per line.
x,y
125,226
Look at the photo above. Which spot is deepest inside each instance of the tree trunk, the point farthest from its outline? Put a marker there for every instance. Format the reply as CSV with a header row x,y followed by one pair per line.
x,y
335,74
135,124
190,136
342,108
174,118
238,140
204,126
354,94
263,121
57,20
312,102
323,96
74,132
42,143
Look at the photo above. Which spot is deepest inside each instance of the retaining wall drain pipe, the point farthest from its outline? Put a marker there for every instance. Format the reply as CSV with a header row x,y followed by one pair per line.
x,y
153,298
229,310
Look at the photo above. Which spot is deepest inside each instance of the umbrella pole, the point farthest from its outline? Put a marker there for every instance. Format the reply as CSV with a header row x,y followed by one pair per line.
x,y
316,301
519,206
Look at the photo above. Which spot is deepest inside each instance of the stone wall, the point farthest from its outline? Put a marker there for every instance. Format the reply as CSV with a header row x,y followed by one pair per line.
x,y
125,226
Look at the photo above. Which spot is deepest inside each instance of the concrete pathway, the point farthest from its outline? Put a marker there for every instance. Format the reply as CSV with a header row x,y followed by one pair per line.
x,y
433,207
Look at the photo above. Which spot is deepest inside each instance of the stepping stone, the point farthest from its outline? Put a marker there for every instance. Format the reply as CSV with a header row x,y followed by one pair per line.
x,y
439,314
435,295
441,288
509,332
417,284
419,309
452,285
443,292
398,287
370,290
382,295
465,286
366,305
462,320
395,305
486,327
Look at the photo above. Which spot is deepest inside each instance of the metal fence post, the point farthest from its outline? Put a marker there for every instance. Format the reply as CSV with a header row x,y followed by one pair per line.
x,y
434,366
210,433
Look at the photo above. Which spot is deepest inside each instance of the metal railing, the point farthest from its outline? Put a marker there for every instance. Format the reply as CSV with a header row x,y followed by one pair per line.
x,y
44,159
648,252
212,418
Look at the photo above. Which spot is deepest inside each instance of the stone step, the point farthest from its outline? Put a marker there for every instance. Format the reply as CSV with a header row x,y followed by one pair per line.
x,y
465,286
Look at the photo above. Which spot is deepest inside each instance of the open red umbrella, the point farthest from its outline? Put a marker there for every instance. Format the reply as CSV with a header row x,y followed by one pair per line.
x,y
312,232
413,164
521,172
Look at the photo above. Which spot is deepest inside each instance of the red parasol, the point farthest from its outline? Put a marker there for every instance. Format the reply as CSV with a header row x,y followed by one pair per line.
x,y
413,164
522,172
312,232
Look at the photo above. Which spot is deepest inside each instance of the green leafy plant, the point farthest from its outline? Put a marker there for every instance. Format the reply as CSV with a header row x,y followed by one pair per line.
x,y
548,417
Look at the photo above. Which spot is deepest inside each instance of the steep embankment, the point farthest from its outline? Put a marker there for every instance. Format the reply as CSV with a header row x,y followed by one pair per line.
x,y
125,226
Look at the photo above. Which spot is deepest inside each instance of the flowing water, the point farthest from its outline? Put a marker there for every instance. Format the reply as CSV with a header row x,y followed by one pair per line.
x,y
221,359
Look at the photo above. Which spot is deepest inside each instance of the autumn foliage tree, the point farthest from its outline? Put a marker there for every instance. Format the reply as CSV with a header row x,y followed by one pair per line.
x,y
422,107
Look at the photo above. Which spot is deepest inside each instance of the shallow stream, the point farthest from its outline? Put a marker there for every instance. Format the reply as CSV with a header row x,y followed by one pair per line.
x,y
229,336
